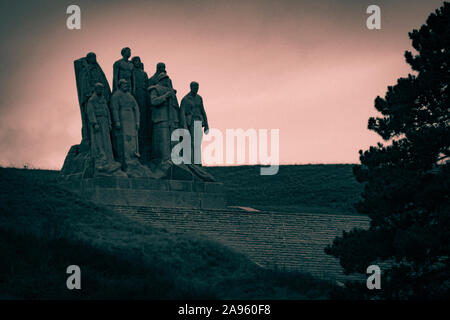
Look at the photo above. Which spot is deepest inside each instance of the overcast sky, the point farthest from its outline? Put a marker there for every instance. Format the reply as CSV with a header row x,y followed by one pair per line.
x,y
311,69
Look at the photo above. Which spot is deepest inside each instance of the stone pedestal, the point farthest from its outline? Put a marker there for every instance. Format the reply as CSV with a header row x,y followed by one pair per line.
x,y
144,192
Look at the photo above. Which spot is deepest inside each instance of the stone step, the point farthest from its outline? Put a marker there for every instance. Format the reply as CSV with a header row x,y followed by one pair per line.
x,y
289,241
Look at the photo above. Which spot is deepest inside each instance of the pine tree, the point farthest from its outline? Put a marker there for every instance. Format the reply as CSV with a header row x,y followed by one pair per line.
x,y
406,179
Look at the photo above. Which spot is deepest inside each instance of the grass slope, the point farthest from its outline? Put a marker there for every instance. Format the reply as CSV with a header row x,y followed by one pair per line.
x,y
330,188
295,188
44,229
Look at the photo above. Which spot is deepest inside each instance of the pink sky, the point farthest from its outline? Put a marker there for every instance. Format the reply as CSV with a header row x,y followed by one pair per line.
x,y
310,70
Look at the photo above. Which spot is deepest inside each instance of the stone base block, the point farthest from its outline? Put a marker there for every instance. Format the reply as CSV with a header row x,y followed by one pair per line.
x,y
146,192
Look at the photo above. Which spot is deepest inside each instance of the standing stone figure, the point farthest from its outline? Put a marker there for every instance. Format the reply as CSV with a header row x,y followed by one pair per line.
x,y
160,68
99,120
165,116
87,74
125,111
139,91
122,69
192,110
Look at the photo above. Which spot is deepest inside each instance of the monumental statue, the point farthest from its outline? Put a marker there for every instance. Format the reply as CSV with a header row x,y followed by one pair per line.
x,y
192,110
122,68
165,116
126,119
87,74
160,68
128,133
139,92
99,123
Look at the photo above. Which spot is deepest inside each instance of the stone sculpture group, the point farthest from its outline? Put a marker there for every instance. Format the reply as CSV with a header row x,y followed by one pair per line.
x,y
126,131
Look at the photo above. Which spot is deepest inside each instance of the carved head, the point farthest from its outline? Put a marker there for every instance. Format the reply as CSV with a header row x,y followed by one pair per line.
x,y
136,61
194,87
123,85
98,88
161,67
126,53
91,58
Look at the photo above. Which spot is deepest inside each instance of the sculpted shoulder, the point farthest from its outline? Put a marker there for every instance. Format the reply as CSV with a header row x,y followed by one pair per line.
x,y
120,94
158,88
192,99
96,99
117,94
185,98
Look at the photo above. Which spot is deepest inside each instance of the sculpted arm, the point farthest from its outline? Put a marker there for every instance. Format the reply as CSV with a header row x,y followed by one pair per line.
x,y
92,119
90,113
133,81
183,113
137,114
108,115
146,80
157,100
204,114
115,76
115,110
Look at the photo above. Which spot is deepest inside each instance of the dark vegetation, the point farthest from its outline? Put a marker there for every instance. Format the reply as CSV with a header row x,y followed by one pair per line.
x,y
44,229
407,179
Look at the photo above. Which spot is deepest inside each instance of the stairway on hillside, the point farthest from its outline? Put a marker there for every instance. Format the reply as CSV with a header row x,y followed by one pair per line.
x,y
287,241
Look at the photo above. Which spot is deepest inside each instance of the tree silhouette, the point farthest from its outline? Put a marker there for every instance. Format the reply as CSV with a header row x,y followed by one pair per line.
x,y
406,179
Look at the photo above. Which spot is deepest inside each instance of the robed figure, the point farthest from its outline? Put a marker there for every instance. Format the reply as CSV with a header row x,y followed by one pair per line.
x,y
139,92
125,112
160,68
87,73
164,115
99,124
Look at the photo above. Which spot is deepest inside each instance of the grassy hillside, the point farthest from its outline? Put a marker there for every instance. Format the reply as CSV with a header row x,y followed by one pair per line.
x,y
295,188
44,229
